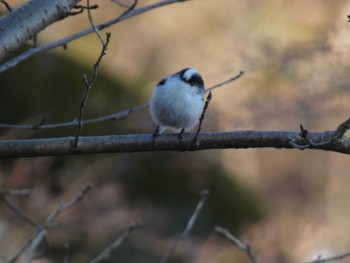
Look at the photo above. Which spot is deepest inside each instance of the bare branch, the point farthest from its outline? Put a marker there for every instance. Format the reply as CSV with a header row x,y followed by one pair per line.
x,y
27,21
238,243
93,25
34,241
112,117
166,142
240,74
34,244
105,254
64,207
8,7
336,135
204,194
88,85
331,259
122,4
18,211
206,105
63,42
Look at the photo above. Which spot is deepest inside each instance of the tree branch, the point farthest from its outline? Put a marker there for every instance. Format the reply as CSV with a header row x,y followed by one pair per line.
x,y
27,21
167,142
63,42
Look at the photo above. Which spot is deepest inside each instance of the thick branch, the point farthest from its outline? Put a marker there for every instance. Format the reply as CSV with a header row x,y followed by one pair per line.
x,y
25,22
167,142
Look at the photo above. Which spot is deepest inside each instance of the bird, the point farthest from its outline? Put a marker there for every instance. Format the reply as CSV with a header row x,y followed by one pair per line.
x,y
177,102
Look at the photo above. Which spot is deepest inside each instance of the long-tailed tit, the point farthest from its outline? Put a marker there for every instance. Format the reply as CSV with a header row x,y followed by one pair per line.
x,y
177,101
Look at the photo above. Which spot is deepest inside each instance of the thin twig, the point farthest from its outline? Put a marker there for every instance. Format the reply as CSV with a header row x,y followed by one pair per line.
x,y
64,207
333,136
209,97
8,7
115,116
34,241
240,74
204,194
128,7
88,85
34,244
105,254
120,3
237,242
18,211
330,259
93,25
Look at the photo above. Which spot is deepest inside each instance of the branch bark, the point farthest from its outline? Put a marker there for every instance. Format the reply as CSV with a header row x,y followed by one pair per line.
x,y
170,142
27,21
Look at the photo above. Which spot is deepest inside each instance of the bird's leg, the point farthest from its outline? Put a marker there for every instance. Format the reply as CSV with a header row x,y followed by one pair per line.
x,y
181,133
155,134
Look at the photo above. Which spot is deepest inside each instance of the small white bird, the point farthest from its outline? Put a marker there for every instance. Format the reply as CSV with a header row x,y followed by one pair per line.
x,y
177,101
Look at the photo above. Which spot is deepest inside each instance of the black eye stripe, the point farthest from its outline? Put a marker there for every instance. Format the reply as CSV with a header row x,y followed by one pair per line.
x,y
162,82
195,80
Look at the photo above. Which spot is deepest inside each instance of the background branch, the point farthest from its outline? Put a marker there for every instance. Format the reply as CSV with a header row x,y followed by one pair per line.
x,y
63,42
92,23
238,243
204,194
34,241
105,254
331,259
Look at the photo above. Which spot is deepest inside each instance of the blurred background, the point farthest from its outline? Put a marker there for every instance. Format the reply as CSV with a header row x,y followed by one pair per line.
x,y
291,205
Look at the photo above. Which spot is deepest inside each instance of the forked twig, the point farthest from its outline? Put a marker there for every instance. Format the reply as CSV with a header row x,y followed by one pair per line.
x,y
92,23
333,136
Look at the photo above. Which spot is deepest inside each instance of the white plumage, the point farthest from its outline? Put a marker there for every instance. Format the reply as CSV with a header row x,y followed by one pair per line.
x,y
177,101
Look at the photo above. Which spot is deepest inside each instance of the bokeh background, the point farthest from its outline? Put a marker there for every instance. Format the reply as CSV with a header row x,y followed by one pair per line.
x,y
291,205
